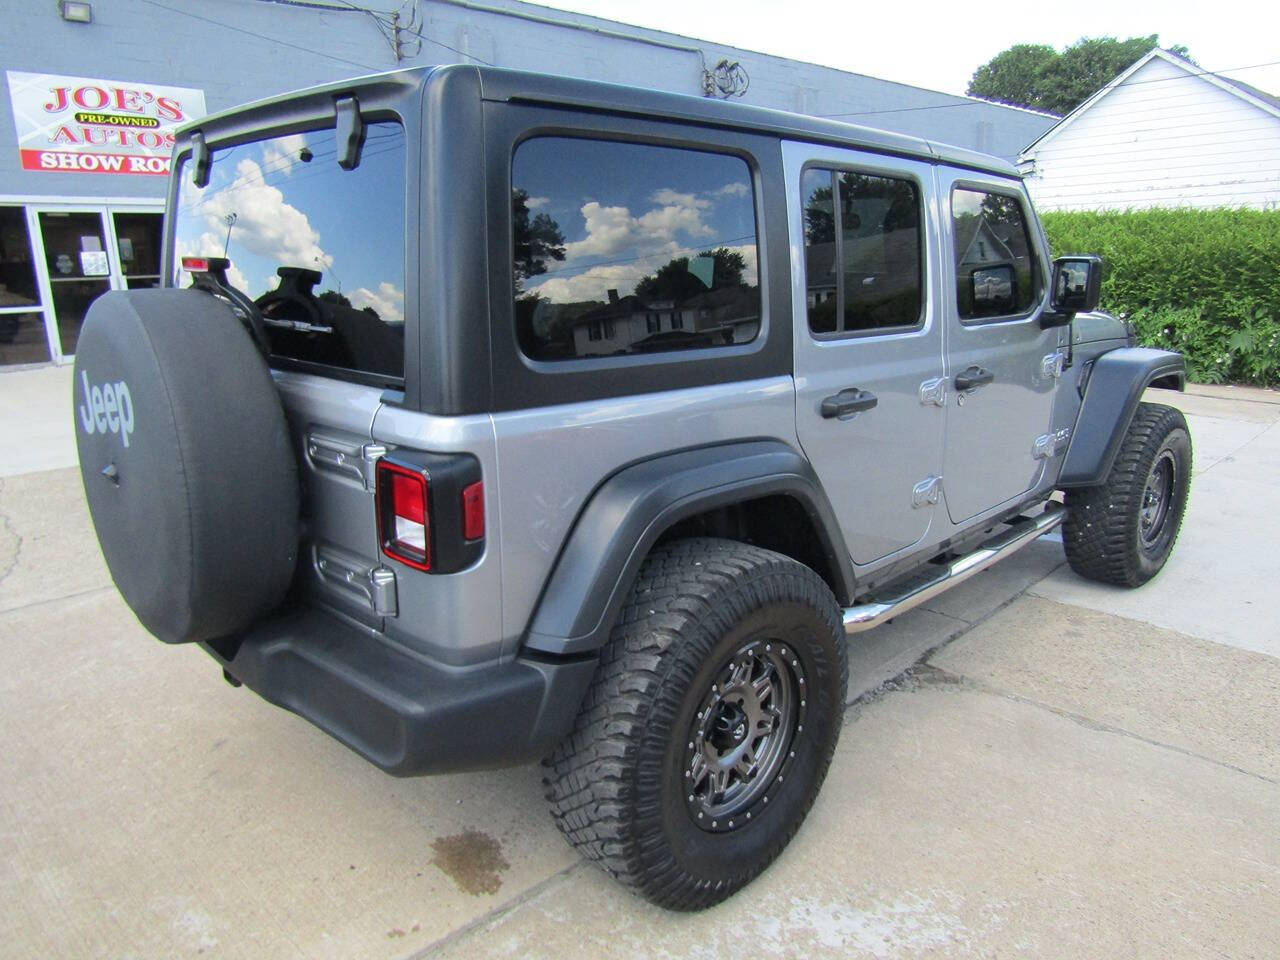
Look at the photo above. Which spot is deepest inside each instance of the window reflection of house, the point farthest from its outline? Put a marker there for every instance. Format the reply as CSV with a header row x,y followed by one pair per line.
x,y
631,324
820,271
983,247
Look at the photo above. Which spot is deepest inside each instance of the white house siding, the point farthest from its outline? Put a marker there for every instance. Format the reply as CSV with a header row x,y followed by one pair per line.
x,y
1180,142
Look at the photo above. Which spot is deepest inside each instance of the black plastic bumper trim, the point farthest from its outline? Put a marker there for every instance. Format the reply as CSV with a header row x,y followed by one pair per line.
x,y
406,716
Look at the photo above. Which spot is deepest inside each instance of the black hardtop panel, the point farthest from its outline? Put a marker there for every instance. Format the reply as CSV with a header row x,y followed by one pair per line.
x,y
518,86
303,107
504,85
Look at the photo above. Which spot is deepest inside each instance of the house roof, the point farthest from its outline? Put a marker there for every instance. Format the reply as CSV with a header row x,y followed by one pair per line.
x,y
1251,95
1253,91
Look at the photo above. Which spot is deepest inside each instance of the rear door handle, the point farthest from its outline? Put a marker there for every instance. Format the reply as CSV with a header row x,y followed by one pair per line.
x,y
972,377
848,402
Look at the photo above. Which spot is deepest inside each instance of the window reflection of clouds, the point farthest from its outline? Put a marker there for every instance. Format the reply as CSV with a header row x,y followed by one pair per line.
x,y
291,211
631,248
643,207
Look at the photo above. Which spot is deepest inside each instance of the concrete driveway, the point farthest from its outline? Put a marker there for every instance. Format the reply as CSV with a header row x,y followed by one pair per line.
x,y
1031,765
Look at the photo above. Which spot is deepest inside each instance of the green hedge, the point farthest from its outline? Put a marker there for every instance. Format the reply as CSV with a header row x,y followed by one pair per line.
x,y
1205,282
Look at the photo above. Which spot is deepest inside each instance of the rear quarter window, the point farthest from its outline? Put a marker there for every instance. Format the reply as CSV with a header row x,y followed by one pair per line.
x,y
320,250
626,248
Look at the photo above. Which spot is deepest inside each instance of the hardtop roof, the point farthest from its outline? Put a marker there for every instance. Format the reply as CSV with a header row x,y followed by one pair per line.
x,y
503,85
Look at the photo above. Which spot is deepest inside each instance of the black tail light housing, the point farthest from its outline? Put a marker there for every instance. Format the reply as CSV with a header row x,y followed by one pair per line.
x,y
430,510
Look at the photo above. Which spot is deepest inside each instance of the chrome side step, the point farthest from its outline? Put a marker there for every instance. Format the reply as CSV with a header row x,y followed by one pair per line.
x,y
867,615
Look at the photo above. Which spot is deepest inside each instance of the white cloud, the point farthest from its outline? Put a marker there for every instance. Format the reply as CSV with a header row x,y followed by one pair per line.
x,y
387,301
735,189
279,156
592,284
609,229
208,245
612,230
265,224
665,222
533,203
670,198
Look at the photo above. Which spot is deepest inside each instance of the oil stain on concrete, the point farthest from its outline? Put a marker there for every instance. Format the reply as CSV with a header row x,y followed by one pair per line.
x,y
471,859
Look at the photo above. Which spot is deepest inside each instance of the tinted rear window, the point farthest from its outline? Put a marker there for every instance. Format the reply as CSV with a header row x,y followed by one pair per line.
x,y
319,249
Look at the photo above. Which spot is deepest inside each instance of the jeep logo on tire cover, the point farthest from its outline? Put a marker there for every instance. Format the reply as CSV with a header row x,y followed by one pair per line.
x,y
107,408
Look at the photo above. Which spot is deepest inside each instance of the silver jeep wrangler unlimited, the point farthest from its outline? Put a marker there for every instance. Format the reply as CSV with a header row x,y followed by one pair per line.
x,y
487,417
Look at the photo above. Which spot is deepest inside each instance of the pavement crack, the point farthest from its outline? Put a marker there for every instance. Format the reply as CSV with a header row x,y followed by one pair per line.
x,y
909,678
1228,457
497,913
933,676
10,563
5,611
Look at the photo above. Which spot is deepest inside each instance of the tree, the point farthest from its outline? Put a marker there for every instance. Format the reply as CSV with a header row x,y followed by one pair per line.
x,y
819,217
1013,76
536,239
1037,76
674,281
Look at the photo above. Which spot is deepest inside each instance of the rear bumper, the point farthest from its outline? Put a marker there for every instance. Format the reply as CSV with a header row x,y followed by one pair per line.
x,y
403,714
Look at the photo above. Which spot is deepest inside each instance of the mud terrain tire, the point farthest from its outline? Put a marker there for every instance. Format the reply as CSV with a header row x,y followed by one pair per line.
x,y
733,648
1123,531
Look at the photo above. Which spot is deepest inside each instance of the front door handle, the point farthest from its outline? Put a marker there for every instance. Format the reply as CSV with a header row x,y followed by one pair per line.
x,y
848,402
972,377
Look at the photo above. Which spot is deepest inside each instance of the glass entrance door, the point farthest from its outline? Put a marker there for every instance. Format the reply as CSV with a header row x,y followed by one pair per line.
x,y
22,329
79,268
82,252
138,239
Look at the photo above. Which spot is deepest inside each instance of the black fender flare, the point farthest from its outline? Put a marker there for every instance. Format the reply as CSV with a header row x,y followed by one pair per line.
x,y
1111,395
627,514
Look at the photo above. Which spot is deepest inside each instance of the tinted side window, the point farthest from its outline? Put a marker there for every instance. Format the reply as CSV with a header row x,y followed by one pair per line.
x,y
863,261
996,272
624,248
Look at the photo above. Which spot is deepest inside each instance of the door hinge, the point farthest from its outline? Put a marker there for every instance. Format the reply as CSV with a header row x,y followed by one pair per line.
x,y
371,585
345,457
934,391
370,454
1052,365
928,490
1050,444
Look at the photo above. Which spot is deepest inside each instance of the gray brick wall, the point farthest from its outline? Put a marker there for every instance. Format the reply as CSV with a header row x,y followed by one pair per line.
x,y
257,49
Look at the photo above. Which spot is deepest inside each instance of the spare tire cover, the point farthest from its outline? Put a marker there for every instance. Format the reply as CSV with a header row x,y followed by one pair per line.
x,y
186,462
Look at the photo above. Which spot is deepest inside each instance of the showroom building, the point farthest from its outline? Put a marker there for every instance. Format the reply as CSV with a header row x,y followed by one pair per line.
x,y
94,91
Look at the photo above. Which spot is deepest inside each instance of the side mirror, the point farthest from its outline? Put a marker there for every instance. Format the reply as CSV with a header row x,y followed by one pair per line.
x,y
994,290
1077,283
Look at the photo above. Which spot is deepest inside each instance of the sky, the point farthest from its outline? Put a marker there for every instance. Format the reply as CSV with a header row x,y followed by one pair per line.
x,y
631,209
938,45
287,213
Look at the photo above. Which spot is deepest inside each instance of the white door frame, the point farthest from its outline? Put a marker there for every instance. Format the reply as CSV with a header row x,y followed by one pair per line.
x,y
104,207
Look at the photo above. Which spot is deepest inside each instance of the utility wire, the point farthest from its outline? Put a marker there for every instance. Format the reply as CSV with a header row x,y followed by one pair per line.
x,y
383,19
440,43
978,101
260,36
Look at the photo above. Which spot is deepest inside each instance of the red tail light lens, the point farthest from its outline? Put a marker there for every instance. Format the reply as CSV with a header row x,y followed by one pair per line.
x,y
404,524
473,511
195,264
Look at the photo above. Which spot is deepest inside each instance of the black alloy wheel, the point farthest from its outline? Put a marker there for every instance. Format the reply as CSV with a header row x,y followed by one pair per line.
x,y
709,727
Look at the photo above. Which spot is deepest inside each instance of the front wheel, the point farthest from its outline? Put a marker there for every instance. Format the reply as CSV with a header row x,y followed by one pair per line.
x,y
1123,531
709,728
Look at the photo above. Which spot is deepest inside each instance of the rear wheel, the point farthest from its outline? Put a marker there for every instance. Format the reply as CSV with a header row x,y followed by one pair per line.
x,y
709,728
1123,531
